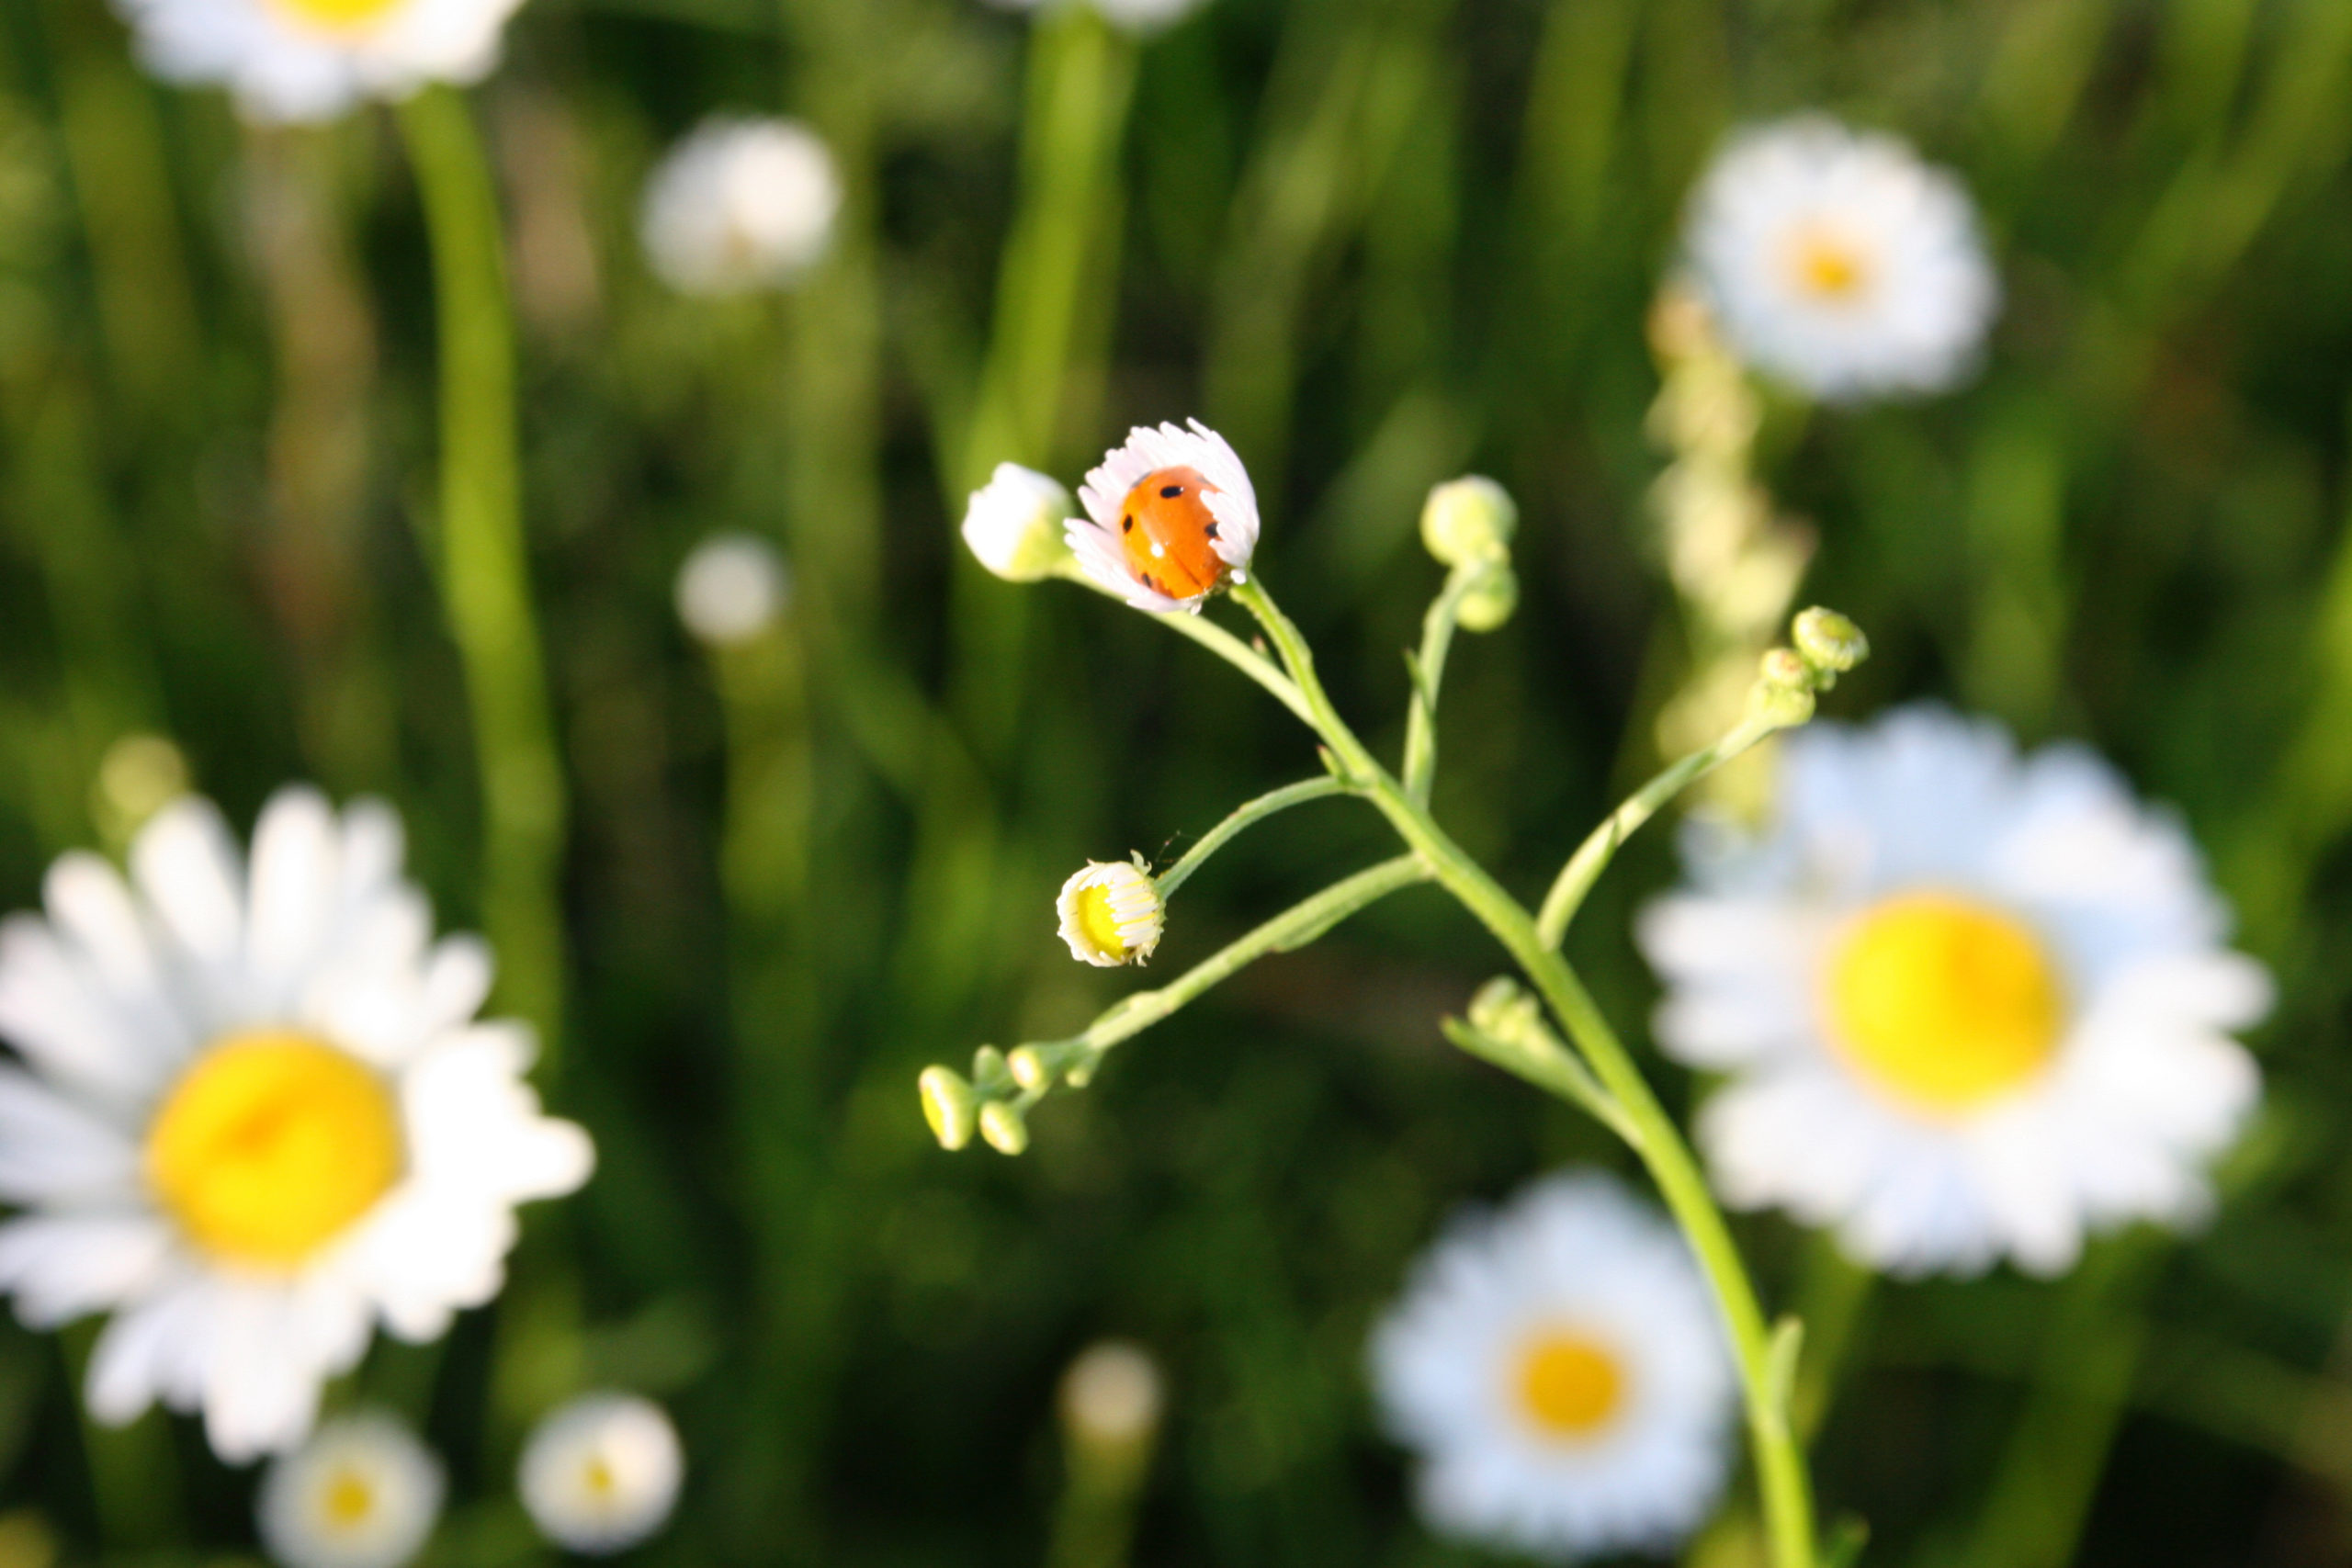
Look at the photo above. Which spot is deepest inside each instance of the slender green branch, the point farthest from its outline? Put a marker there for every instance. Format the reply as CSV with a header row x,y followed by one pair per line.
x,y
483,571
1429,674
1780,1461
1219,641
1592,856
1538,1056
1257,810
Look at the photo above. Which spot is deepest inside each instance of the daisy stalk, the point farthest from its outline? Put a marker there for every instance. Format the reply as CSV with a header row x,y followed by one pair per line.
x,y
483,571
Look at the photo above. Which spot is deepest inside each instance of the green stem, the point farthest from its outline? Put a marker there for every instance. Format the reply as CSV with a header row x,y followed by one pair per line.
x,y
1257,810
1217,640
1780,1461
483,574
1592,856
1429,674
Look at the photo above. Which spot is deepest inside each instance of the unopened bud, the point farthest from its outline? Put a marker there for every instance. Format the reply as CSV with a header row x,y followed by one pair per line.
x,y
1015,523
1028,1068
1491,601
1829,641
1782,695
1002,1125
990,1073
948,1106
1503,1008
1469,519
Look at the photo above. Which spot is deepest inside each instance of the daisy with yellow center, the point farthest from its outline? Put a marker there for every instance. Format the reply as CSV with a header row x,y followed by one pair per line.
x,y
361,1493
255,1116
1972,1006
1837,260
602,1473
1559,1371
1111,913
314,59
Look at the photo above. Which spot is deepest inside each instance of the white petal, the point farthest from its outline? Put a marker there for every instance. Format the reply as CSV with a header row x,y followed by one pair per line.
x,y
54,1151
60,1016
297,890
62,1267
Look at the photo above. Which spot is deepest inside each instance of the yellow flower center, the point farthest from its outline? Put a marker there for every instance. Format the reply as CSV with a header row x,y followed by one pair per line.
x,y
339,15
349,1499
1097,923
1944,1002
600,1479
1570,1385
271,1145
1827,268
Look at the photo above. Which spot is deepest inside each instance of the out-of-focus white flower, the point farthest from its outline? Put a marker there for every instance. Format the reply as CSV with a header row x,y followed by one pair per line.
x,y
1130,15
1111,913
1837,260
1111,1395
731,588
1559,1368
1015,523
740,205
1972,1006
1170,518
602,1473
257,1115
311,59
363,1493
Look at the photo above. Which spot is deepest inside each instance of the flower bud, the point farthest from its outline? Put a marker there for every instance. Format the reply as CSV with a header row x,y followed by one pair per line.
x,y
1491,601
1503,1008
948,1106
1829,642
1015,523
1002,1126
1111,913
1782,695
1028,1068
1110,1396
1468,519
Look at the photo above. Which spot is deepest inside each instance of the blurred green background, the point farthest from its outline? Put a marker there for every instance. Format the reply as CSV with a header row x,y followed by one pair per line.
x,y
1376,242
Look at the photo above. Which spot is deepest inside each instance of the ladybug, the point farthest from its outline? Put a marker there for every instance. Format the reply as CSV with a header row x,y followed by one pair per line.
x,y
1169,534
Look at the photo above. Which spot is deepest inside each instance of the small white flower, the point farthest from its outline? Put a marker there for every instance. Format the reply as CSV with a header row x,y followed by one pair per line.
x,y
1972,1006
256,1114
311,59
731,589
362,1493
1015,523
1166,547
740,205
601,1474
1111,913
1560,1370
1111,1395
1837,260
1130,15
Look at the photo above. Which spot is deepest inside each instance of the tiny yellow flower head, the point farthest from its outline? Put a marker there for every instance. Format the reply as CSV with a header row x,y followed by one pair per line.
x,y
1111,913
1015,523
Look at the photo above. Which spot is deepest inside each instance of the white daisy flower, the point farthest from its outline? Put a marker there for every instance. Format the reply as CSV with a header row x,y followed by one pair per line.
x,y
602,1472
740,205
1837,260
1112,1394
731,588
1167,544
362,1493
1111,913
255,1115
1972,1005
1560,1370
1015,523
311,59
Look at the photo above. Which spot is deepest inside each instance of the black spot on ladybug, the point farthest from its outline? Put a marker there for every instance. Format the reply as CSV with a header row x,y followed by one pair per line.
x,y
1145,577
1170,492
1127,523
1208,530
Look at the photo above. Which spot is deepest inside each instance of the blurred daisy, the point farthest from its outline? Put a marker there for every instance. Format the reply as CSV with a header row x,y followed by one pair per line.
x,y
256,1114
602,1472
1972,1005
1014,524
362,1493
1837,260
731,589
740,205
1111,913
1130,15
311,59
1169,517
1559,1368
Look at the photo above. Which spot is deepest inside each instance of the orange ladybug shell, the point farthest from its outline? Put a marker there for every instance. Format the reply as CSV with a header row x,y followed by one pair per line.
x,y
1168,534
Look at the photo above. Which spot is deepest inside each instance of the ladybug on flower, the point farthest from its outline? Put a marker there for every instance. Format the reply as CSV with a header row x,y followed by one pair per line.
x,y
1170,518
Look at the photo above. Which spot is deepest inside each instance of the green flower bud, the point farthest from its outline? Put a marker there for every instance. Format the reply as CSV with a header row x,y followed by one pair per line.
x,y
1002,1126
1490,600
1028,1068
948,1106
1829,641
1468,519
1782,695
1504,1008
989,1072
